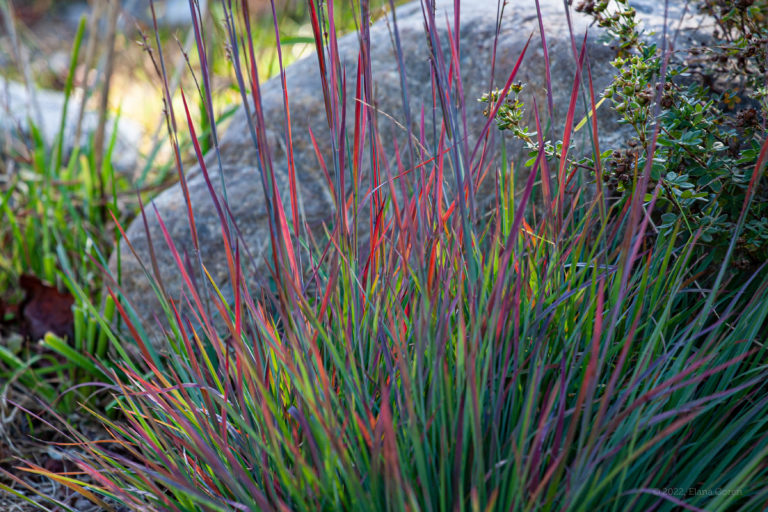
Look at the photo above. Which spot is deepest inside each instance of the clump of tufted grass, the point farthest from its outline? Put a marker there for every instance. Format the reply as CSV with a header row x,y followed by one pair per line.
x,y
462,362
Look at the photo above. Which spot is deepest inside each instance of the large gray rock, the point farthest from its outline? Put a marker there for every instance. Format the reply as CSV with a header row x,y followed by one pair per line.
x,y
239,159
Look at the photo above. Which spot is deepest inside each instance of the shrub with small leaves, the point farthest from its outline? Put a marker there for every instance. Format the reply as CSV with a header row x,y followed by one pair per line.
x,y
510,113
511,117
707,149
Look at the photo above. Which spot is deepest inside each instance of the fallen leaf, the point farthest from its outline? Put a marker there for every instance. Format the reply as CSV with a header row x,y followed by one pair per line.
x,y
45,309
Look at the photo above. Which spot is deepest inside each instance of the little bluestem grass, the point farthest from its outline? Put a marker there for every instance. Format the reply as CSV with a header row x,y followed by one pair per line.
x,y
461,362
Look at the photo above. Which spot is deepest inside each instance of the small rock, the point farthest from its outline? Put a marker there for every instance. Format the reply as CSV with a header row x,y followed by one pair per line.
x,y
170,13
83,504
45,109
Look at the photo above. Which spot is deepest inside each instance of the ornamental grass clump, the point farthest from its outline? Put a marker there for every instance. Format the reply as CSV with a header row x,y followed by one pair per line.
x,y
454,360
